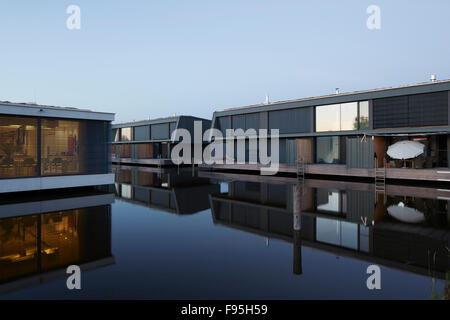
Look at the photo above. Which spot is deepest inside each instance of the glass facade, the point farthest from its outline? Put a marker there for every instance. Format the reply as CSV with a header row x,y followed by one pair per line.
x,y
342,117
18,147
125,134
31,147
364,115
328,150
60,147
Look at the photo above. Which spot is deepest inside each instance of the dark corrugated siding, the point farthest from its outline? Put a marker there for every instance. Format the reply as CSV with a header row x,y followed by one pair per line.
x,y
246,121
430,109
291,120
390,112
359,153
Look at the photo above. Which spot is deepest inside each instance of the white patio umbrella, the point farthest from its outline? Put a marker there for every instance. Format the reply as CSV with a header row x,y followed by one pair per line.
x,y
405,150
406,214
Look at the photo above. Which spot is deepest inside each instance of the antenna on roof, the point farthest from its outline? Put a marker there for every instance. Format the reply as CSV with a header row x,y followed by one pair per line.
x,y
267,99
433,78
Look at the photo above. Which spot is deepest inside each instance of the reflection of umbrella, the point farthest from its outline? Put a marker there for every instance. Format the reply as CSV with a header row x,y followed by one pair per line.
x,y
405,149
405,214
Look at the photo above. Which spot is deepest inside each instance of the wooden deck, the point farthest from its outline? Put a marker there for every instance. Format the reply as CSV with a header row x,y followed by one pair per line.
x,y
435,174
143,162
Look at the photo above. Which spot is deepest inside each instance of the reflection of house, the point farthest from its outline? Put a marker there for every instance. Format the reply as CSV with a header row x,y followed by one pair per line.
x,y
339,134
170,190
339,218
43,147
150,142
39,238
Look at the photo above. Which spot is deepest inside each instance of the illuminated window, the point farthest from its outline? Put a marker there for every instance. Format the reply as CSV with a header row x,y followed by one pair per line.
x,y
18,147
60,149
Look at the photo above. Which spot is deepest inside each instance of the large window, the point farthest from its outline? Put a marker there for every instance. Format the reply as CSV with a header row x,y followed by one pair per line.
x,y
66,147
60,150
18,147
125,134
141,133
160,131
342,117
328,150
364,115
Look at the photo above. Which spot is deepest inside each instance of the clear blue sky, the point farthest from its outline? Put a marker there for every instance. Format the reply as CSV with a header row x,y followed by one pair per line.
x,y
144,59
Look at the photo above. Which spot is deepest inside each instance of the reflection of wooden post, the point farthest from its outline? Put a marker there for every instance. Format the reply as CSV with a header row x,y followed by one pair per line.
x,y
297,252
297,207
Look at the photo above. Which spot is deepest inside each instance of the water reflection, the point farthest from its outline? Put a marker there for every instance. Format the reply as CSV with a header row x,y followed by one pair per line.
x,y
41,235
344,218
316,221
177,191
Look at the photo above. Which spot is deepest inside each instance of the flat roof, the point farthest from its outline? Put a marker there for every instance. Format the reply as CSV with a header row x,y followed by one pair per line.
x,y
39,110
424,87
153,121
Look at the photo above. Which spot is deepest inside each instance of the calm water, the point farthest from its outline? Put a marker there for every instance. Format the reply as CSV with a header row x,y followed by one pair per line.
x,y
174,236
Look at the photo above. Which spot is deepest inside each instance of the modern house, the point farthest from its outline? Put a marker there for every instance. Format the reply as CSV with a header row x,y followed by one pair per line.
x,y
340,134
342,218
150,142
46,147
168,189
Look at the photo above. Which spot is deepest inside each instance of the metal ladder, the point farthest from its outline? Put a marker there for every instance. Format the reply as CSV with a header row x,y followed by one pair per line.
x,y
380,181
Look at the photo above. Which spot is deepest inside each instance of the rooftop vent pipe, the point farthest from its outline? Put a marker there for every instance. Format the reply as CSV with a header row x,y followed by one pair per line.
x,y
433,78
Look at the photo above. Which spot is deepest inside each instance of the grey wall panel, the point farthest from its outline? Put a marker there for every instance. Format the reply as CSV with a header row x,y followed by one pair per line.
x,y
238,122
173,126
359,153
223,123
246,121
291,120
282,150
291,152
